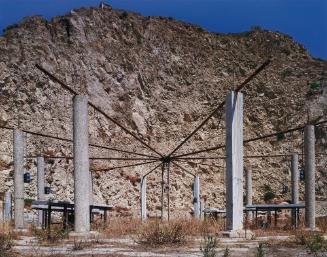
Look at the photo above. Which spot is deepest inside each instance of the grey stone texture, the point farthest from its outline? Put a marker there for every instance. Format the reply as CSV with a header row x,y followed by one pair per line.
x,y
196,197
81,165
19,179
143,199
309,169
40,185
234,161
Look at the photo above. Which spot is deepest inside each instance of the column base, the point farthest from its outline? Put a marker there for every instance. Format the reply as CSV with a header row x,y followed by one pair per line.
x,y
315,229
20,230
83,235
247,234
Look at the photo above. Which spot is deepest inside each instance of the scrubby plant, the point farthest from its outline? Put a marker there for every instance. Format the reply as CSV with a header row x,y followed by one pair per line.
x,y
285,73
158,233
316,244
260,251
123,15
226,252
55,235
79,245
209,247
314,85
10,27
269,196
6,243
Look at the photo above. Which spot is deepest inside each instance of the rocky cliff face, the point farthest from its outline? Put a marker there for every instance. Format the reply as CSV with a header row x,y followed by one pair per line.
x,y
160,78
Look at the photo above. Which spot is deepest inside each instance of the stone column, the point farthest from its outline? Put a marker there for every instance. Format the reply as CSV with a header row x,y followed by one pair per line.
x,y
295,184
81,166
234,163
162,190
248,189
248,186
40,186
7,208
19,179
196,195
143,199
91,189
1,211
309,169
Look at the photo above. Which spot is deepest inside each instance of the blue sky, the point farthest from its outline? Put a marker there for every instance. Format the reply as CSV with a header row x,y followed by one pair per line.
x,y
304,20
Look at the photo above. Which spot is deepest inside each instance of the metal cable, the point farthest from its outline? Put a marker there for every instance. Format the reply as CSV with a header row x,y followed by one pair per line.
x,y
70,141
125,166
183,169
54,78
249,140
238,88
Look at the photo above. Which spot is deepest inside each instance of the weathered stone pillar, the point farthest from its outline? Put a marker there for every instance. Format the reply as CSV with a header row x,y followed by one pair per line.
x,y
295,178
19,179
248,186
7,208
197,200
1,211
81,166
234,163
143,199
40,186
91,188
309,169
248,189
295,184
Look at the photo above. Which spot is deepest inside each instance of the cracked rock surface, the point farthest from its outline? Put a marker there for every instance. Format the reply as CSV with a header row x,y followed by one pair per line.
x,y
160,78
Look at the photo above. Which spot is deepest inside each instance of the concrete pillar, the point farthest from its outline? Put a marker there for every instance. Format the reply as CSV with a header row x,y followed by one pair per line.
x,y
40,186
309,169
19,179
1,211
81,165
295,178
162,191
7,207
248,190
143,199
197,200
295,185
248,186
234,162
91,188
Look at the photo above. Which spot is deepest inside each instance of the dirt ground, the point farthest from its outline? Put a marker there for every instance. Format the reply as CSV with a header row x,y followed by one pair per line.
x,y
274,246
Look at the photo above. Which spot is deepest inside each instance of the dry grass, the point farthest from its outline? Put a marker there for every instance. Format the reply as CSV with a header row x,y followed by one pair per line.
x,y
69,255
156,233
322,224
56,235
125,226
118,227
284,227
6,244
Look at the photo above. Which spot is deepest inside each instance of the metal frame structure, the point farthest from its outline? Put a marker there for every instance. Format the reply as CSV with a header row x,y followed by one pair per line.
x,y
165,160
